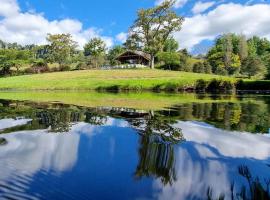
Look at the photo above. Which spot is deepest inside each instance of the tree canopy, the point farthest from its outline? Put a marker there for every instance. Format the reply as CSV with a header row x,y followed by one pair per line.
x,y
153,27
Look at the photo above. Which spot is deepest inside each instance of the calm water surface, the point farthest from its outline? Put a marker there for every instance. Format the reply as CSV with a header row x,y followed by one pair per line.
x,y
188,151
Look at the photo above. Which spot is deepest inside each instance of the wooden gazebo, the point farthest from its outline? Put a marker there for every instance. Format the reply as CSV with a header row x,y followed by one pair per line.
x,y
134,57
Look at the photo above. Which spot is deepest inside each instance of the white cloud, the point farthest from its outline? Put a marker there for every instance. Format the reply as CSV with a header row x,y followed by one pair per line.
x,y
200,7
247,19
122,37
178,3
29,28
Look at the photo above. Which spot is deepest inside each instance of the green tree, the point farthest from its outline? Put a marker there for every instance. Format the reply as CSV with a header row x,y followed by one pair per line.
x,y
170,60
10,58
95,50
171,45
61,48
228,51
154,26
253,66
243,47
198,67
114,52
95,47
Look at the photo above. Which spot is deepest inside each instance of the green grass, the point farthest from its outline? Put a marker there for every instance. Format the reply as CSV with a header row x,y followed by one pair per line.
x,y
144,101
112,79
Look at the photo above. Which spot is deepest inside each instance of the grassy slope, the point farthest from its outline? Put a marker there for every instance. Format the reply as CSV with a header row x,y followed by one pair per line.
x,y
94,79
145,101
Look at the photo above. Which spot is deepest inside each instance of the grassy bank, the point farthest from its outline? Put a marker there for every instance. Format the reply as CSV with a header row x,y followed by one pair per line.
x,y
108,80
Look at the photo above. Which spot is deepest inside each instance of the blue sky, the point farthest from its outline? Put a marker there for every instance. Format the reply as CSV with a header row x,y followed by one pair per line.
x,y
28,21
112,16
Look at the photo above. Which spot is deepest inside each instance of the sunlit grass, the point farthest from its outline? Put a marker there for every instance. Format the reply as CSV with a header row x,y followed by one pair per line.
x,y
94,79
145,101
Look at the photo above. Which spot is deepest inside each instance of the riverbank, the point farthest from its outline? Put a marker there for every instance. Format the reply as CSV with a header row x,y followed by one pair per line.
x,y
129,80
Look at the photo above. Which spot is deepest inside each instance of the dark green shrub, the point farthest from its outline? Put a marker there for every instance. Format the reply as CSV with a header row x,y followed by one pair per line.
x,y
64,68
201,85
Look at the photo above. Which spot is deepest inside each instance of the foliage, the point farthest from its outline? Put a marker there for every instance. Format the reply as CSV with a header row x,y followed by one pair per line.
x,y
95,51
253,66
169,60
153,27
113,53
171,45
61,48
95,47
10,58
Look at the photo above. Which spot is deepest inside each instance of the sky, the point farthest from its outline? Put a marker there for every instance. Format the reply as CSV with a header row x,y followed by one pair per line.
x,y
29,21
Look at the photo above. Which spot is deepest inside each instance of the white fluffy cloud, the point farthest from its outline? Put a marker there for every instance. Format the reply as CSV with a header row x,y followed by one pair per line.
x,y
178,3
122,37
200,7
29,28
246,19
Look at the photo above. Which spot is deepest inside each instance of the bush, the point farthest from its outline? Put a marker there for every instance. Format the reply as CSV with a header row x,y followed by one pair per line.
x,y
64,68
221,86
81,66
201,85
38,66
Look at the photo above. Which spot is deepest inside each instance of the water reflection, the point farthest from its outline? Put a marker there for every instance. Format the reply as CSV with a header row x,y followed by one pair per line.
x,y
190,151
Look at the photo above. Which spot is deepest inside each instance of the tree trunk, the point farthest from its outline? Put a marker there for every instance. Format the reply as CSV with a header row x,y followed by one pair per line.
x,y
152,62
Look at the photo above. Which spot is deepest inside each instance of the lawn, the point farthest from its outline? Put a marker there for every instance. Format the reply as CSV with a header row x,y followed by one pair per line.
x,y
145,79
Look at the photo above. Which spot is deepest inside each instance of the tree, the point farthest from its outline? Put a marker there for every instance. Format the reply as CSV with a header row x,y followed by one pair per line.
x,y
13,58
253,66
95,50
207,67
243,48
171,45
114,52
228,51
154,26
95,47
61,48
198,67
170,60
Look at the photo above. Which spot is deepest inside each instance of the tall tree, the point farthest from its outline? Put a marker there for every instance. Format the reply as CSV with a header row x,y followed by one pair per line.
x,y
228,50
95,49
243,47
61,48
154,26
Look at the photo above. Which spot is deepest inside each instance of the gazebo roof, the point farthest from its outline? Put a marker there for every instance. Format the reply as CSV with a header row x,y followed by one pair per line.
x,y
138,53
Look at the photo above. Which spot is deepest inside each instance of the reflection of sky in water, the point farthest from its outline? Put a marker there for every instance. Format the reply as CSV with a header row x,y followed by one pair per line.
x,y
100,162
8,123
210,158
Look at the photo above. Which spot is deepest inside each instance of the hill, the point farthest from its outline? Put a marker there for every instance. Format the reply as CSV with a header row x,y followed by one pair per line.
x,y
145,79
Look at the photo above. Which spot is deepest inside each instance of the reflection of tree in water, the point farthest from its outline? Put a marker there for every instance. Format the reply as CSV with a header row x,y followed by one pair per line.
x,y
156,152
157,124
156,158
255,189
95,118
58,120
248,117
